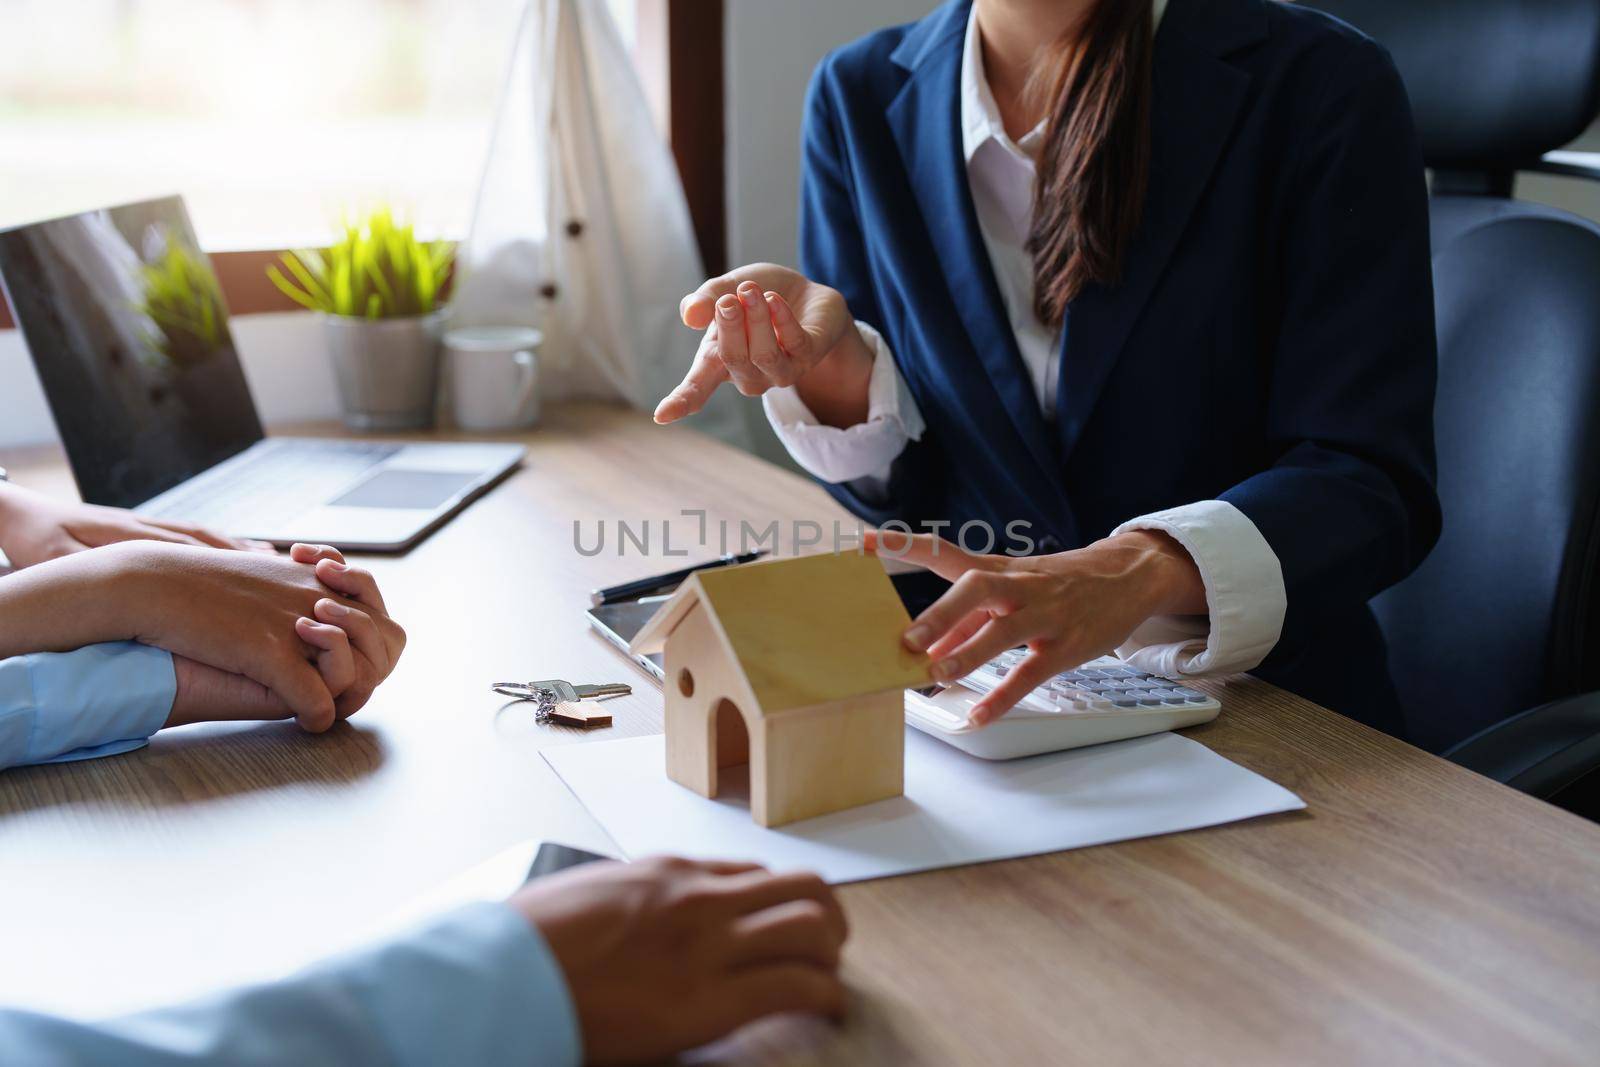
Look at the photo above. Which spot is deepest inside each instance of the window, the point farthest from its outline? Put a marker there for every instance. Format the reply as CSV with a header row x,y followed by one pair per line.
x,y
270,116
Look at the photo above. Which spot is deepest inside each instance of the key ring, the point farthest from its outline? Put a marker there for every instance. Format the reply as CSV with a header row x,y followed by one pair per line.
x,y
520,690
545,700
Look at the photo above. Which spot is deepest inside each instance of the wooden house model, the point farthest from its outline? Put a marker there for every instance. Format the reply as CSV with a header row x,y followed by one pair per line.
x,y
795,666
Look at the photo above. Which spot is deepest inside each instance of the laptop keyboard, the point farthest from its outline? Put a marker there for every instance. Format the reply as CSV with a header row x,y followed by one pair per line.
x,y
265,490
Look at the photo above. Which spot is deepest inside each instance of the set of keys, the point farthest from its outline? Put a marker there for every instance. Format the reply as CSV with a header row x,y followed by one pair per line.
x,y
558,701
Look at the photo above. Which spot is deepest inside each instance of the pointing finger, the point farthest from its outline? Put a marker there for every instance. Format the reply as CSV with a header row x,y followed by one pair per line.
x,y
697,386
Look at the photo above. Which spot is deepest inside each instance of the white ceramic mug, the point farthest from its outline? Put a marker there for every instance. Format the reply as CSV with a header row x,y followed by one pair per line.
x,y
494,376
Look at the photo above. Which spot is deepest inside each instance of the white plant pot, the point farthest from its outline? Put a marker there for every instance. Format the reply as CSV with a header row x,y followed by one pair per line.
x,y
387,369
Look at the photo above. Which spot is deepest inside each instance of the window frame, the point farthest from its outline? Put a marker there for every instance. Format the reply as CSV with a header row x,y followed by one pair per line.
x,y
679,41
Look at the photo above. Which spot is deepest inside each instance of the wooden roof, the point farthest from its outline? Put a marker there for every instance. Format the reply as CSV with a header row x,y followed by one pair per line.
x,y
804,631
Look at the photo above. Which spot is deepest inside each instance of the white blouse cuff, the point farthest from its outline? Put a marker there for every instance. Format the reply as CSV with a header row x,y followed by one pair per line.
x,y
1245,596
865,450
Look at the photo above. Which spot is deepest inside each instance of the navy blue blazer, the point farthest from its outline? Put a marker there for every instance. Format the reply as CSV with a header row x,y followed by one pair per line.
x,y
1270,344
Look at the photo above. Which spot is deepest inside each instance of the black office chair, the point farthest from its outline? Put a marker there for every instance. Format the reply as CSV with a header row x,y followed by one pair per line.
x,y
1504,615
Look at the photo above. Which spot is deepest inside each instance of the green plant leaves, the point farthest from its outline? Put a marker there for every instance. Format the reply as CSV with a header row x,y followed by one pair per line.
x,y
377,269
181,296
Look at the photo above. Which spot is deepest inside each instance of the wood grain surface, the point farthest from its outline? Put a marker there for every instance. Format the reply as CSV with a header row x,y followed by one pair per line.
x,y
1414,913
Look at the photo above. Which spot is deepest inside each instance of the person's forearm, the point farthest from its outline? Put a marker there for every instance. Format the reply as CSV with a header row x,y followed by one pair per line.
x,y
836,388
477,985
63,604
12,500
1166,572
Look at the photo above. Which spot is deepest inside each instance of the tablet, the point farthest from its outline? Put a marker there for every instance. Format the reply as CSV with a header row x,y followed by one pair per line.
x,y
620,622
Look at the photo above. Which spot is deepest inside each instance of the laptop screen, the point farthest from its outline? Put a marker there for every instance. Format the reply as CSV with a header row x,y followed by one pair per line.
x,y
126,325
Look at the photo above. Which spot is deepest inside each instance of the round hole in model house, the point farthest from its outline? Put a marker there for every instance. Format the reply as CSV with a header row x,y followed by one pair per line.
x,y
686,682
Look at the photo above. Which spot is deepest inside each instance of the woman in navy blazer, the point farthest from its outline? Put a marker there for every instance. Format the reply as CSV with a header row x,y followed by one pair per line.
x,y
1230,217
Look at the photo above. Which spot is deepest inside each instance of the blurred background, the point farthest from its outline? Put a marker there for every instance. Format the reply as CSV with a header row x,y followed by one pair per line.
x,y
275,117
269,115
272,116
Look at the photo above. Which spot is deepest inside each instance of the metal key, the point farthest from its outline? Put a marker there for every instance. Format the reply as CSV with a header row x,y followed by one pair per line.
x,y
566,691
550,695
563,691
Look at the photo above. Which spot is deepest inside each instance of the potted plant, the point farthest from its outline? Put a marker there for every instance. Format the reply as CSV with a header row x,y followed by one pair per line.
x,y
380,292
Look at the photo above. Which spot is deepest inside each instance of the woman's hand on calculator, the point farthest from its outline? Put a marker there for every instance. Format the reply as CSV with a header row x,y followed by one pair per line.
x,y
1066,608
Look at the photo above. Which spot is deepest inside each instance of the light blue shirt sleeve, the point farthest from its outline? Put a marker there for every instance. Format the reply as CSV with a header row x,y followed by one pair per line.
x,y
97,701
477,986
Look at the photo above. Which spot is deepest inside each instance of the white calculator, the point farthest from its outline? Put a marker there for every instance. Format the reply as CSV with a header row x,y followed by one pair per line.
x,y
1103,700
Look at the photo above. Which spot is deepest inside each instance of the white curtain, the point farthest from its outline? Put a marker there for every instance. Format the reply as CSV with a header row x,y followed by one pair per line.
x,y
581,227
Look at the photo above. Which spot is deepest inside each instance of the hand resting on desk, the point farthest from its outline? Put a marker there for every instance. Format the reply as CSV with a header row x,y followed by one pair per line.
x,y
253,635
35,528
662,955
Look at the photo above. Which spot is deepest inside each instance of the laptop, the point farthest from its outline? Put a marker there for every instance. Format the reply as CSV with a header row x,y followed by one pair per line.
x,y
153,408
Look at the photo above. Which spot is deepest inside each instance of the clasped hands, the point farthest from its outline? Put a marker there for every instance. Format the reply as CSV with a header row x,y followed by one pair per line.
x,y
257,636
254,635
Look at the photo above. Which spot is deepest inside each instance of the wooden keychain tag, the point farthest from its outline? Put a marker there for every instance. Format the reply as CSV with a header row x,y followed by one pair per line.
x,y
574,714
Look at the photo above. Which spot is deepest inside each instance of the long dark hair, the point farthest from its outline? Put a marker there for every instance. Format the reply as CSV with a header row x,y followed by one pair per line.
x,y
1095,163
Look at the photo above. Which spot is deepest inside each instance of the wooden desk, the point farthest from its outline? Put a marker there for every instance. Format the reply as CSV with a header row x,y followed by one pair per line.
x,y
1416,912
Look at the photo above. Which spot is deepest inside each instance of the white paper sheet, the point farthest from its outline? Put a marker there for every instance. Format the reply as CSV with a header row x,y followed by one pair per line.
x,y
956,809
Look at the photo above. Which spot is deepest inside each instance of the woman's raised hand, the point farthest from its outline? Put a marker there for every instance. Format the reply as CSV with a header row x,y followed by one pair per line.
x,y
766,327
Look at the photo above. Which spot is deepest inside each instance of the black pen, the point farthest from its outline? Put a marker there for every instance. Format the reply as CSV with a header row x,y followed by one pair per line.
x,y
661,582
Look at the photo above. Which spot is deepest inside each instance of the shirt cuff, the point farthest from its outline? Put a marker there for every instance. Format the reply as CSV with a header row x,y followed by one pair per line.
x,y
1245,596
479,985
99,700
865,450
